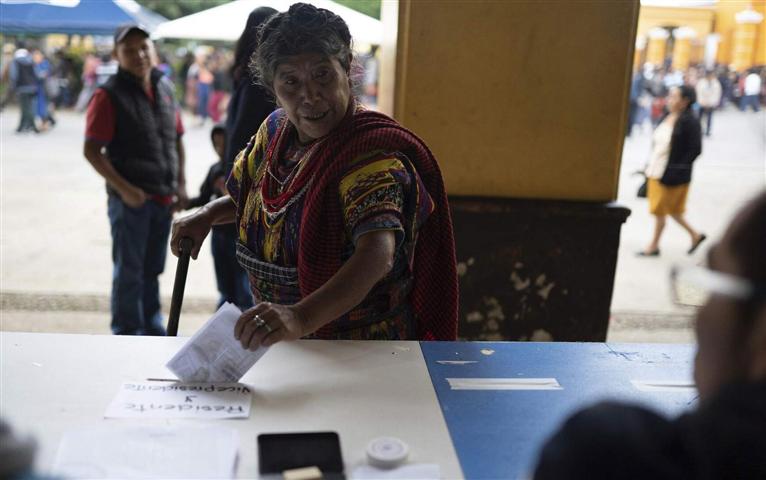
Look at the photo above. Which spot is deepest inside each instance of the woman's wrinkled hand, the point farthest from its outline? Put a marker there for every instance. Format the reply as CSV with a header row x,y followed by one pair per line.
x,y
195,226
269,323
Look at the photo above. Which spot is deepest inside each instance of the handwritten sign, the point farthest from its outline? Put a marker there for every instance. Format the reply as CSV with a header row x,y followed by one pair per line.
x,y
180,400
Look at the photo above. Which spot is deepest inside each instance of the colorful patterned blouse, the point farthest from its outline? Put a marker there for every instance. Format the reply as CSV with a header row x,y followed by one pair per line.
x,y
380,191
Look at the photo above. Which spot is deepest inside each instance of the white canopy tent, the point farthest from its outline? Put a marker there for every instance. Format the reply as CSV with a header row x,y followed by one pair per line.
x,y
226,22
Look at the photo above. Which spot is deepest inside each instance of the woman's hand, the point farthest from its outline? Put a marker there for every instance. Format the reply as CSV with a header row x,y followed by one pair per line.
x,y
269,323
195,226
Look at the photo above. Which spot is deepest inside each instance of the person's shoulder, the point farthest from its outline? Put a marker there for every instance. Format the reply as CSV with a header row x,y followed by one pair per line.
x,y
603,418
101,99
274,121
726,432
630,441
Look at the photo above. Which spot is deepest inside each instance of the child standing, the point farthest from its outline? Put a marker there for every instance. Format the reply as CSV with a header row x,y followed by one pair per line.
x,y
230,277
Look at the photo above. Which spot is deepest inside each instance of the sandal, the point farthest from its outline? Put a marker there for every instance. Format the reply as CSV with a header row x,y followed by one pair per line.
x,y
654,253
696,244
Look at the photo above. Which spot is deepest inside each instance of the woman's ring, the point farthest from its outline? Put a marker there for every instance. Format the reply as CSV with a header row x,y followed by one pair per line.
x,y
260,322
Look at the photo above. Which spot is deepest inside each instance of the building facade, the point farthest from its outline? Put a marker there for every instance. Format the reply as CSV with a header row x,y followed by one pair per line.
x,y
678,34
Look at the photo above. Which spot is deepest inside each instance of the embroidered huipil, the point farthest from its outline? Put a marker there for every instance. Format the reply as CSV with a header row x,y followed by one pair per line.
x,y
378,191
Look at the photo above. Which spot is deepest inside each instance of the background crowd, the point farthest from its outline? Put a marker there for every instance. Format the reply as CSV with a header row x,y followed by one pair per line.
x,y
41,81
716,88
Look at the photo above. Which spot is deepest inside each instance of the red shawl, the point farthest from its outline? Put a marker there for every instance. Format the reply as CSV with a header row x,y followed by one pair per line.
x,y
435,291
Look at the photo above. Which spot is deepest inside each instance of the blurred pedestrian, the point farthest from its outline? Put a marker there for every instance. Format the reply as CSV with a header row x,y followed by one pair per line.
x,y
637,86
676,143
5,74
183,76
231,279
220,88
751,92
89,81
250,103
723,79
142,162
204,88
24,83
709,97
107,67
370,65
659,91
43,72
163,65
64,77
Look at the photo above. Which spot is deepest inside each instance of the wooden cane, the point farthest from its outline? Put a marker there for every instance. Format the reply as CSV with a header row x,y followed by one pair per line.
x,y
185,247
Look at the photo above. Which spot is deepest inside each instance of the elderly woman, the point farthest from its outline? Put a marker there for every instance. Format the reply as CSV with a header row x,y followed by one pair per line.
x,y
676,143
343,220
723,437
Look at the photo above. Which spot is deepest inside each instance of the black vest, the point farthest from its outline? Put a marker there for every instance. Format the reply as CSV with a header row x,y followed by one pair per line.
x,y
25,73
143,149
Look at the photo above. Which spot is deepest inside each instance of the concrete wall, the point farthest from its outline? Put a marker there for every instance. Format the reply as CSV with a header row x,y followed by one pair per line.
x,y
517,99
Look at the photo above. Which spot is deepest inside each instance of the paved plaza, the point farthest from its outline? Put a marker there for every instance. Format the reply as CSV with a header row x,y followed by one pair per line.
x,y
55,246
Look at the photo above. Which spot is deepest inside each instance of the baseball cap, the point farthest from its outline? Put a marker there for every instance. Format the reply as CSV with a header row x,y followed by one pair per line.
x,y
123,31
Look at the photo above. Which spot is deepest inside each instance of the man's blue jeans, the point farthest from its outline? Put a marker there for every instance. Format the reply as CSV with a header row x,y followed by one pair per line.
x,y
749,101
139,249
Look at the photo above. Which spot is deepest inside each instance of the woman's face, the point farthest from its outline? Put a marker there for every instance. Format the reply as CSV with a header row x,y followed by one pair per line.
x,y
315,92
676,103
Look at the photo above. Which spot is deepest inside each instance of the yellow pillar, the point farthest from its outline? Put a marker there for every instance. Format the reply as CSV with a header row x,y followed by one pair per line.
x,y
760,37
655,51
682,49
640,53
489,85
744,39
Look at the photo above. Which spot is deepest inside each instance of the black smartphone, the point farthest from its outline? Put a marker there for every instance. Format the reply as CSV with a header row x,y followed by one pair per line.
x,y
278,452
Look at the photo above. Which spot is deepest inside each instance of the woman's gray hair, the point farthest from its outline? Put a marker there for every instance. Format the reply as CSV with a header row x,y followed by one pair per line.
x,y
302,29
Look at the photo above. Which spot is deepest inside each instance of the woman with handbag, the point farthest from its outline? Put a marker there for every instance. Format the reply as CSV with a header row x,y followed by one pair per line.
x,y
676,143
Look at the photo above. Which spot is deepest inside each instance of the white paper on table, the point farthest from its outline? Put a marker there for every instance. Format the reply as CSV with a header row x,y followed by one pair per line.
x,y
117,451
181,400
664,385
213,354
504,384
413,471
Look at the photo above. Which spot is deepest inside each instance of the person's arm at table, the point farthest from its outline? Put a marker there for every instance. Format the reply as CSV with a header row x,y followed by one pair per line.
x,y
197,225
372,259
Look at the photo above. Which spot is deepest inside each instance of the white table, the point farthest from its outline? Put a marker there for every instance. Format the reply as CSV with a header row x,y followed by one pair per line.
x,y
51,383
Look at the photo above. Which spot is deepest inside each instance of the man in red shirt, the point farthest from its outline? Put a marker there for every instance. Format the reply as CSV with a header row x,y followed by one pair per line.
x,y
133,139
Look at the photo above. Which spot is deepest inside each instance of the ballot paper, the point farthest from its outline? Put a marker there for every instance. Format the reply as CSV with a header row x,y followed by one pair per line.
x,y
181,400
119,451
213,354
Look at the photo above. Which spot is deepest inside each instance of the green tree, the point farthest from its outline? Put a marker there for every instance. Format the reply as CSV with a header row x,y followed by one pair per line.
x,y
368,7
